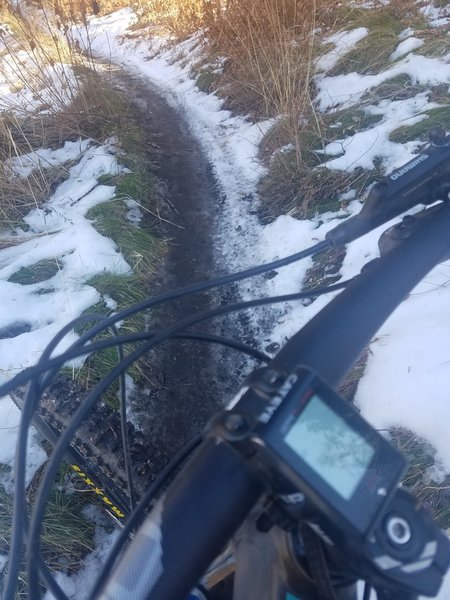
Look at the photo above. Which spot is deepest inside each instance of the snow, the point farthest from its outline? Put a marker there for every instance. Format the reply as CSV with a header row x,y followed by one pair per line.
x,y
44,158
415,372
406,379
437,17
10,420
406,46
343,42
343,91
362,148
58,230
39,89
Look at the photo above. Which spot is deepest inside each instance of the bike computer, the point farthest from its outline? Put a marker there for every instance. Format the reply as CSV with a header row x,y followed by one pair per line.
x,y
322,447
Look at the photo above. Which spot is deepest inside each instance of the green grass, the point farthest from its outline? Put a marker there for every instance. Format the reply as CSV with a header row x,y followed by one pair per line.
x,y
292,168
139,245
309,143
347,122
67,535
439,94
40,271
371,54
304,192
436,117
370,57
125,290
205,80
400,87
297,191
397,18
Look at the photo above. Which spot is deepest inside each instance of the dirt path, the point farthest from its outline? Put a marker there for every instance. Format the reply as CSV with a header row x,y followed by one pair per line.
x,y
184,388
187,381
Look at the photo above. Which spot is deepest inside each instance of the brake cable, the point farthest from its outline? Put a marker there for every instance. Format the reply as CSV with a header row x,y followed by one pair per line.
x,y
90,400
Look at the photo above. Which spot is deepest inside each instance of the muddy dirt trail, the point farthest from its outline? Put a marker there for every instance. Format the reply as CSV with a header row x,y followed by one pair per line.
x,y
187,382
184,388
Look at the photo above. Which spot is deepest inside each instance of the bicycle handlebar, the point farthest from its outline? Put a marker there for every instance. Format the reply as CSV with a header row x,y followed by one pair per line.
x,y
188,527
215,492
331,342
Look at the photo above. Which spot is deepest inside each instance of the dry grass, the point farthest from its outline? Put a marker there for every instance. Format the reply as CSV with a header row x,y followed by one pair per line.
x,y
269,46
171,16
434,496
95,113
38,55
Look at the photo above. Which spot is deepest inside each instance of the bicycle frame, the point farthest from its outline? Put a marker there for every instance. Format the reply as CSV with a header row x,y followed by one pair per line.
x,y
216,491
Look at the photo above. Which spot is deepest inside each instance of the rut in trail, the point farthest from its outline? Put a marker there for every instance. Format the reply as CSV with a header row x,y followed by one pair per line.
x,y
185,384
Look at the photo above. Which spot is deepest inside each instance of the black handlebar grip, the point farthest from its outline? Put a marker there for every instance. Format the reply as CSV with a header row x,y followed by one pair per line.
x,y
190,525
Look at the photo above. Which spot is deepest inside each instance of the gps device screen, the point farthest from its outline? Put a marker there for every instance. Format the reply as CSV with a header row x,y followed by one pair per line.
x,y
320,444
329,446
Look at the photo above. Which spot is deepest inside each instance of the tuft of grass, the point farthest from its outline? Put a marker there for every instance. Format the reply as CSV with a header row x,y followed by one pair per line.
x,y
40,271
206,79
436,43
400,87
436,117
439,94
298,192
67,536
124,290
304,192
293,183
421,456
139,245
349,386
139,185
350,14
347,122
371,54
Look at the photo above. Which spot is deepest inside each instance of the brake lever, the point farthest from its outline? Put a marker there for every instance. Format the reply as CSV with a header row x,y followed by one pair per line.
x,y
423,180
